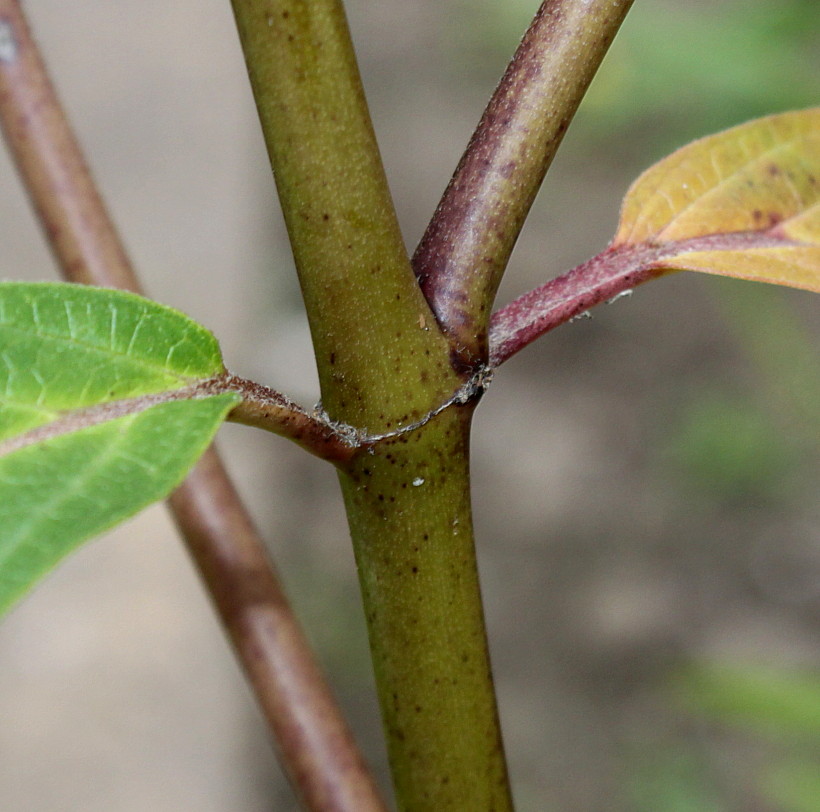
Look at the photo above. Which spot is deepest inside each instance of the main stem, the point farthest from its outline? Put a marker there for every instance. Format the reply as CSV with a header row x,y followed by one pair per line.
x,y
409,510
383,364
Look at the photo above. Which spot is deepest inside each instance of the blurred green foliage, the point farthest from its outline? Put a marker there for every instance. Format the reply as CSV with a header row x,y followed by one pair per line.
x,y
727,449
672,779
781,707
780,343
794,786
764,443
679,69
777,704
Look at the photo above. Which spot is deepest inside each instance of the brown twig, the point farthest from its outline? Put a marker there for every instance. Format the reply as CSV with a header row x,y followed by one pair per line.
x,y
317,750
71,212
322,761
267,409
466,248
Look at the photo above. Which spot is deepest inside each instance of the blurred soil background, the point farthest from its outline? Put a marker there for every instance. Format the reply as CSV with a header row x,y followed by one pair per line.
x,y
645,481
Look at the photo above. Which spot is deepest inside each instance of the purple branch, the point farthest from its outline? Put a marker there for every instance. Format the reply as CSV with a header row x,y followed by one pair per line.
x,y
613,271
467,245
603,277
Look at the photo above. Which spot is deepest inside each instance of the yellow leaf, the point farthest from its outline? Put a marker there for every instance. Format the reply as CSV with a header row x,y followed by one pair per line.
x,y
743,203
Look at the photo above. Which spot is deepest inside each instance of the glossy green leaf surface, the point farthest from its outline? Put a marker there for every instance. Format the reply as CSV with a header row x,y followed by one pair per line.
x,y
66,347
104,408
58,493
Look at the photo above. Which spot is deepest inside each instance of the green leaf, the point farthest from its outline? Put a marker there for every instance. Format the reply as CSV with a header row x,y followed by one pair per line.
x,y
106,402
56,494
66,347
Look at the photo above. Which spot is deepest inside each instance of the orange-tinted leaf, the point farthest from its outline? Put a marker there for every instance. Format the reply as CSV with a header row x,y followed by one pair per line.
x,y
797,266
743,203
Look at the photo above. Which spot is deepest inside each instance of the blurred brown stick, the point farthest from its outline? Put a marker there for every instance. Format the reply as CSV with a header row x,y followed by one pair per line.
x,y
316,747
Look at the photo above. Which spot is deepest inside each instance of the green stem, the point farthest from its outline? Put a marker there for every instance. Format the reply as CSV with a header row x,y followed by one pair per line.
x,y
369,320
383,365
410,518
